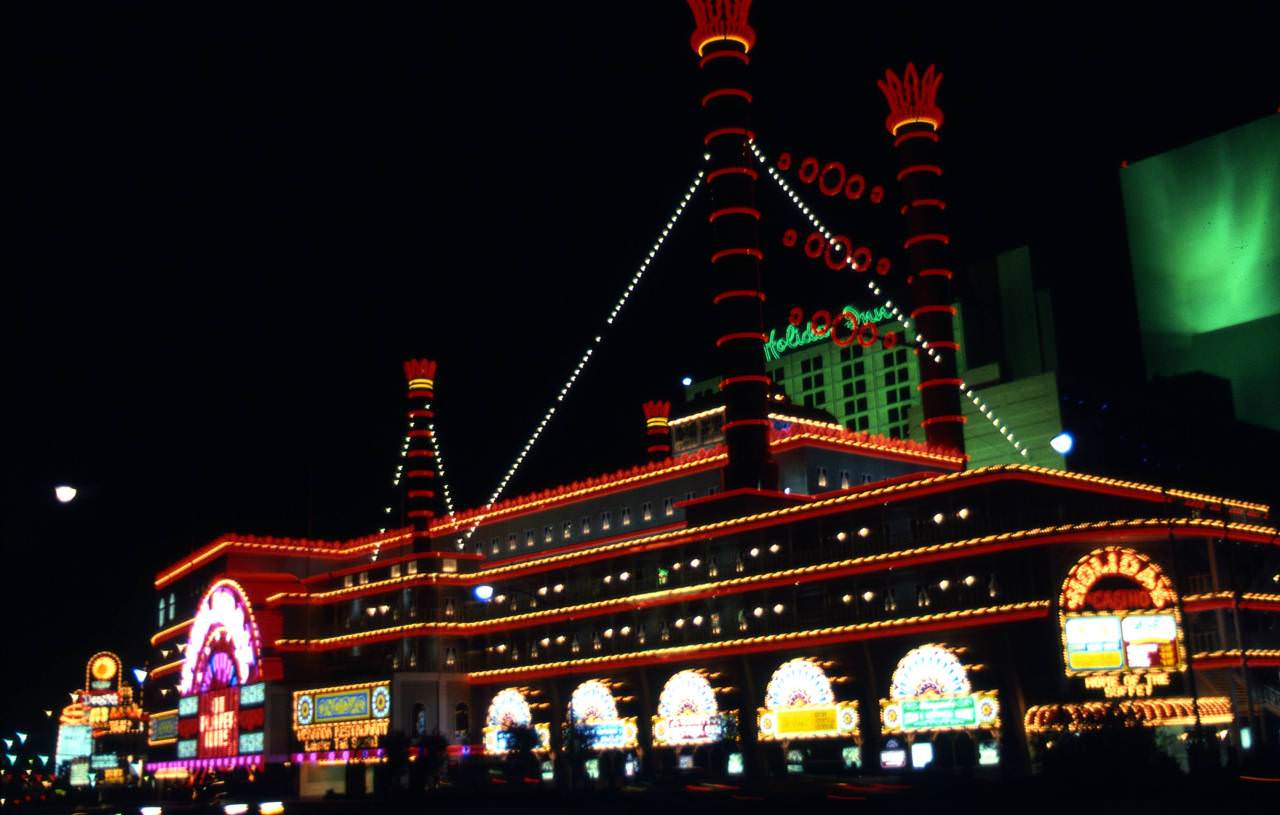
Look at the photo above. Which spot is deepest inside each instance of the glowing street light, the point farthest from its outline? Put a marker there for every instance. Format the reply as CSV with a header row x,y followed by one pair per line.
x,y
1062,443
64,493
686,381
483,592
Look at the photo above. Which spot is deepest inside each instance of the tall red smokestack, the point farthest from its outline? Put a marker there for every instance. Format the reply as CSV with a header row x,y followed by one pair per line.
x,y
657,430
721,40
420,472
914,119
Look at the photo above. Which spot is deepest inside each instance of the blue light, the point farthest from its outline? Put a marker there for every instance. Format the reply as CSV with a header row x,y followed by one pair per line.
x,y
140,675
483,592
687,381
1062,443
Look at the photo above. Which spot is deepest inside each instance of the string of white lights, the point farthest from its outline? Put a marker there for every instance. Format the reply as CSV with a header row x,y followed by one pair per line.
x,y
812,217
586,356
440,477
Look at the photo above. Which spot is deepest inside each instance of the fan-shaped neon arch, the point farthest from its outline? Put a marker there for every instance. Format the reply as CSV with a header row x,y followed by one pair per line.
x,y
224,646
800,703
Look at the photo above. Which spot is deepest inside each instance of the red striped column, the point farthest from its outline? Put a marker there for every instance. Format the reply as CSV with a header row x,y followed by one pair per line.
x,y
420,461
722,40
913,121
657,430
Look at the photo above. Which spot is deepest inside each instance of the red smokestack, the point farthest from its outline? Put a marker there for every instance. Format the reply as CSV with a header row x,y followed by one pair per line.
x,y
420,472
913,121
722,39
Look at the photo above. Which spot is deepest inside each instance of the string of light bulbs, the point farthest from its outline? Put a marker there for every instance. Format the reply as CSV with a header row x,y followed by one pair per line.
x,y
813,219
586,356
440,476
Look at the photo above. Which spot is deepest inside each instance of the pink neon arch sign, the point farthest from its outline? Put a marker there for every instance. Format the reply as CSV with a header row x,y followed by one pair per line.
x,y
224,647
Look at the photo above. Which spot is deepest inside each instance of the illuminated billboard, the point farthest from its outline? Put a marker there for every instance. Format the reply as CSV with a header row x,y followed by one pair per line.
x,y
800,704
930,692
1118,613
344,717
510,709
592,706
688,713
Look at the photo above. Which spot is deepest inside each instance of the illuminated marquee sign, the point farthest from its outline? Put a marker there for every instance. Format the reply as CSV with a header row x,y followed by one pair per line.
x,y
800,704
163,728
74,741
220,713
346,717
799,333
1119,618
688,713
592,705
510,709
930,691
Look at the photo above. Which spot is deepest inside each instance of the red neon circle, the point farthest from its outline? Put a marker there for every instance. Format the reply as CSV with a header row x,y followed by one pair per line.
x,y
826,322
784,161
882,266
853,335
796,316
862,258
790,237
808,169
863,340
877,194
889,340
815,245
850,192
822,179
837,265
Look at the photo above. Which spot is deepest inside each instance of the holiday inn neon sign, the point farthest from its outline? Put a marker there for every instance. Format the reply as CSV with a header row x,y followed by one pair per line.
x,y
801,335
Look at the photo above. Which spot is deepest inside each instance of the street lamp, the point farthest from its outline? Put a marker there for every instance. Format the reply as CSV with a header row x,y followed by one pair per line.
x,y
65,493
1062,443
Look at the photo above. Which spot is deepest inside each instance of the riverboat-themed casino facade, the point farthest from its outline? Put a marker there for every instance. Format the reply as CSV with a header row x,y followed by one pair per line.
x,y
783,592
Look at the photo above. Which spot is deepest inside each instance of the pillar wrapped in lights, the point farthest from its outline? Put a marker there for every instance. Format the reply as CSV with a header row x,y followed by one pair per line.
x,y
913,121
722,41
657,430
420,457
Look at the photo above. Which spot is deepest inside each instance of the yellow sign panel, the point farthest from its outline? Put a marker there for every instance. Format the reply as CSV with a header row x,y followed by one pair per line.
x,y
812,720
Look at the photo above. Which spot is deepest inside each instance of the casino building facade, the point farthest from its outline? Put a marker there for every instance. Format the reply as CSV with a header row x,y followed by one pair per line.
x,y
773,592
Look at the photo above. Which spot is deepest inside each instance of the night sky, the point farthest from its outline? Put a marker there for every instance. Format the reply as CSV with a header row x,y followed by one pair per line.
x,y
234,222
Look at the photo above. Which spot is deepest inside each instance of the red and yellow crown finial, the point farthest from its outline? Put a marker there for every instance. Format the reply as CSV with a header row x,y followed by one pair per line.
x,y
421,374
656,413
721,20
912,99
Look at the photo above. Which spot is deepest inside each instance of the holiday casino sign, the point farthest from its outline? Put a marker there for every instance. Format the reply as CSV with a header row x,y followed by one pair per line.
x,y
346,717
1121,629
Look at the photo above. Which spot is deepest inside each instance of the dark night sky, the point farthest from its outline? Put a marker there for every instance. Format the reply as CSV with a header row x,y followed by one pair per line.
x,y
233,223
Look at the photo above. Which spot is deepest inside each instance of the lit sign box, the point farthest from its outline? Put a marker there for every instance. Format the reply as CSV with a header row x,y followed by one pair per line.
x,y
689,714
74,741
498,740
1119,616
163,728
188,706
219,728
346,717
254,694
930,691
615,735
102,762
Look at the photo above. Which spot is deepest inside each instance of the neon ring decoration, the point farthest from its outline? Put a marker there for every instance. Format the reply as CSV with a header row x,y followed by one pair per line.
x,y
381,702
592,706
509,709
800,704
223,649
304,709
930,692
688,713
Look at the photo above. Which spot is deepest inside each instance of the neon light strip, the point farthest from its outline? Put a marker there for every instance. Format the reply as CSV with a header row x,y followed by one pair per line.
x,y
990,615
1153,528
586,357
176,628
983,408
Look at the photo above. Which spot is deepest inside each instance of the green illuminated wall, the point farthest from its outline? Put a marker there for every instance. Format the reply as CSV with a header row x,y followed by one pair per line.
x,y
1204,240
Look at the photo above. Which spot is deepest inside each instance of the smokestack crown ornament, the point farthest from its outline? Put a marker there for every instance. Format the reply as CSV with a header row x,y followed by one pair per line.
x,y
657,429
721,20
420,453
912,99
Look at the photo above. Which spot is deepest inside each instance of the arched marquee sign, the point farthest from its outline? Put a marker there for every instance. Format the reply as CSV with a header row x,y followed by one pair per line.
x,y
1119,617
223,650
510,709
930,692
800,704
593,706
221,709
688,713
